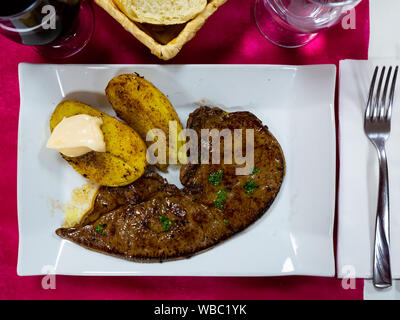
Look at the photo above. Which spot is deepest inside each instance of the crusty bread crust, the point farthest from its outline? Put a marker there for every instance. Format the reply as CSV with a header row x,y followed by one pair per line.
x,y
162,51
161,12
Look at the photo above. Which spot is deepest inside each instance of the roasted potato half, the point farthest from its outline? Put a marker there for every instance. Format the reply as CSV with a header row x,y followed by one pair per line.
x,y
125,158
141,105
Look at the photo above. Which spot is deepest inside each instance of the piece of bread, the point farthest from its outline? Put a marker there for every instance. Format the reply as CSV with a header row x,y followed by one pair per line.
x,y
169,40
163,12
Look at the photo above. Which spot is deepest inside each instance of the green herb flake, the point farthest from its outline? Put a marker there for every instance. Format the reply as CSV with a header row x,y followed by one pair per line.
x,y
219,203
166,223
255,170
250,186
216,178
100,228
226,222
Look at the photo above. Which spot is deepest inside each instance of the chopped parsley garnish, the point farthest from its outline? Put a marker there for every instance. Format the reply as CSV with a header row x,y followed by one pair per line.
x,y
226,222
250,186
100,228
219,203
216,178
166,223
255,170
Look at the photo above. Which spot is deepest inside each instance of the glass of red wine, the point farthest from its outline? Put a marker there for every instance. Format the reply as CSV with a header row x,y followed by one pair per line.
x,y
56,28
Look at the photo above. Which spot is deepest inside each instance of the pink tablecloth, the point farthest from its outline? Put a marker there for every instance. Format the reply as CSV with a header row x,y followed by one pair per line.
x,y
230,36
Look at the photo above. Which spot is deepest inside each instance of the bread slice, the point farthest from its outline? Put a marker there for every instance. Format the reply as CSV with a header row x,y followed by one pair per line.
x,y
164,12
164,41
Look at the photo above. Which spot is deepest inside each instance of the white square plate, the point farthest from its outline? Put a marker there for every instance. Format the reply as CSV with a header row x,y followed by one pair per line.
x,y
297,103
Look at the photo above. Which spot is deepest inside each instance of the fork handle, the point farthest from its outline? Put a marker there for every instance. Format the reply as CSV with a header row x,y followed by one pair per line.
x,y
382,277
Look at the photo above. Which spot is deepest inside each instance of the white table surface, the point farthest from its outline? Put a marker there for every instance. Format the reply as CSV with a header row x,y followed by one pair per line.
x,y
384,43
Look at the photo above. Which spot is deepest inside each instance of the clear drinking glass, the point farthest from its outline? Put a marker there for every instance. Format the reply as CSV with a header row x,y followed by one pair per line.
x,y
56,28
294,23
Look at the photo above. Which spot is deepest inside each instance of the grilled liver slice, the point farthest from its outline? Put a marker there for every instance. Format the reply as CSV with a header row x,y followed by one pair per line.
x,y
129,222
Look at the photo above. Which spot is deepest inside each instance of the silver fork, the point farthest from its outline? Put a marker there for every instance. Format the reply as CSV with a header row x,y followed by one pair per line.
x,y
377,124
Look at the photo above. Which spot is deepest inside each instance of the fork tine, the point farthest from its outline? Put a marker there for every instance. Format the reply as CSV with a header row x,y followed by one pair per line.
x,y
368,110
378,94
391,98
383,108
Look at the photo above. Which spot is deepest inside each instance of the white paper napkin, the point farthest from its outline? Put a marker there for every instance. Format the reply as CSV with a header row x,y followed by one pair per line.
x,y
358,181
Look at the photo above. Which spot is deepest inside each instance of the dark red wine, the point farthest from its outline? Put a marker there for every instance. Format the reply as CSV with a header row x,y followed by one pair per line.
x,y
12,7
29,28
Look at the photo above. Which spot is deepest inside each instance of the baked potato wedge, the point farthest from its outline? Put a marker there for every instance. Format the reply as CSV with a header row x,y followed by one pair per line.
x,y
125,158
141,105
